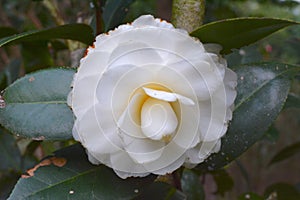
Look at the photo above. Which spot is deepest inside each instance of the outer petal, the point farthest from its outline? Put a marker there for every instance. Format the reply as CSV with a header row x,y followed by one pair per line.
x,y
97,138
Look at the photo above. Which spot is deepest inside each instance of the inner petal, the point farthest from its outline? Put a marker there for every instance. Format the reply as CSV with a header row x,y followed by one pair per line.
x,y
158,120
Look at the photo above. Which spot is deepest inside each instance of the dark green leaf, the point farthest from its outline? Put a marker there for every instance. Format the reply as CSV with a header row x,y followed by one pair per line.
x,y
238,32
36,105
7,182
223,181
250,196
293,101
262,90
36,55
161,191
191,185
282,191
77,179
79,32
286,153
10,155
7,31
114,13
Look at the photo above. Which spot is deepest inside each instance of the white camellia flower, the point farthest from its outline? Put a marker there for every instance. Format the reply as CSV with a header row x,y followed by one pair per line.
x,y
148,98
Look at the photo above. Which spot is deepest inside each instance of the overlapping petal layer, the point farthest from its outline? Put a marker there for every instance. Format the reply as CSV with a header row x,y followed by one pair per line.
x,y
149,98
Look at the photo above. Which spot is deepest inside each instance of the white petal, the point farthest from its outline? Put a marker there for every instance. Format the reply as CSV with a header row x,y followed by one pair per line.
x,y
144,150
148,20
94,63
118,84
203,76
84,90
167,96
99,136
187,134
125,167
140,148
171,159
135,53
158,119
161,95
129,122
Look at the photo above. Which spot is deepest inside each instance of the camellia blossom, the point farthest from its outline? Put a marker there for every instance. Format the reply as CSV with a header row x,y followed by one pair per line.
x,y
149,98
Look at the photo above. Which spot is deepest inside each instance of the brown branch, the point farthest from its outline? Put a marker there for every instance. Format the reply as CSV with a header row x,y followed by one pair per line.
x,y
99,23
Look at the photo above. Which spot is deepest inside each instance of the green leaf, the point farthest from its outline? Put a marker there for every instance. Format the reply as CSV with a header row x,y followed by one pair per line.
x,y
223,181
77,179
238,32
250,196
7,31
7,181
191,185
79,32
262,91
282,191
36,55
115,12
36,105
286,153
161,191
10,155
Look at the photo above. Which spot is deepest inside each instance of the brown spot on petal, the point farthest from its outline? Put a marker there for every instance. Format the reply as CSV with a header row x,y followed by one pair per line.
x,y
86,52
59,162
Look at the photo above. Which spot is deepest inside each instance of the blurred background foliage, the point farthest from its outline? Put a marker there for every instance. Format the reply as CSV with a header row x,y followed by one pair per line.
x,y
255,175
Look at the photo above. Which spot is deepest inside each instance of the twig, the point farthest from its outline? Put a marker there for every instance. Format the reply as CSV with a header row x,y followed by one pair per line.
x,y
176,180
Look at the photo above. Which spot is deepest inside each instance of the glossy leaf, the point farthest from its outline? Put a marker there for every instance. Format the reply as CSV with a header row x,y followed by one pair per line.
x,y
79,32
7,31
10,155
69,175
238,32
36,55
36,105
191,185
262,91
286,153
161,191
114,13
282,191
